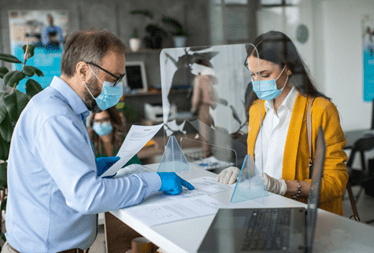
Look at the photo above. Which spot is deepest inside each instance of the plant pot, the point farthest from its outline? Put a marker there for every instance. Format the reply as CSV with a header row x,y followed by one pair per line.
x,y
153,42
135,44
180,41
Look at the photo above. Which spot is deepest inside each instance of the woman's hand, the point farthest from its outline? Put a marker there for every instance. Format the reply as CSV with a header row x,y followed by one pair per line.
x,y
277,186
228,176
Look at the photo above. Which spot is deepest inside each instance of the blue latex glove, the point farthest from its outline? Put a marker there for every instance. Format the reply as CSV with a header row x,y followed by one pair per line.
x,y
171,183
104,163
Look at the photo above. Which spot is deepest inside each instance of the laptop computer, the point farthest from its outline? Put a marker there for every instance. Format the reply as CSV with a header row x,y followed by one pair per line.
x,y
269,229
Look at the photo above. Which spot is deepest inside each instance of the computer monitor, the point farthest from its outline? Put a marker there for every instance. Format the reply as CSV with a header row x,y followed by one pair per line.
x,y
135,77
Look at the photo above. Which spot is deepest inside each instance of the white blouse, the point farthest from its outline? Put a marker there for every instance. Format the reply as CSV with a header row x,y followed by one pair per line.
x,y
271,139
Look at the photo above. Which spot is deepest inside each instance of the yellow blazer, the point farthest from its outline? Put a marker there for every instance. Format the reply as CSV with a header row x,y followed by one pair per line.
x,y
296,152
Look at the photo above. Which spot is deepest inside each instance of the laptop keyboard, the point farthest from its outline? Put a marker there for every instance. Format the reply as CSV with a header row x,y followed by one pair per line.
x,y
268,229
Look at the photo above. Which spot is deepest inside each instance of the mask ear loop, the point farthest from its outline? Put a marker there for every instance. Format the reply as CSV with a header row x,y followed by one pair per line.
x,y
87,86
95,75
89,90
260,101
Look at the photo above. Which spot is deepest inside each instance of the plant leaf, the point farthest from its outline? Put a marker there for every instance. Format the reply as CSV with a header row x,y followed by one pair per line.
x,y
30,50
13,78
4,149
3,174
2,237
37,71
32,88
143,12
3,204
3,110
9,58
3,71
15,103
6,128
28,71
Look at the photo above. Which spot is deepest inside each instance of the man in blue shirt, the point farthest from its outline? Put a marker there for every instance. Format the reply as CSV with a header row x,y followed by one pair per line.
x,y
54,186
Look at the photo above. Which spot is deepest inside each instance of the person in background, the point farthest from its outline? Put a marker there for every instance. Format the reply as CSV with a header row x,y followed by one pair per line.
x,y
33,33
55,190
203,98
107,132
280,146
52,35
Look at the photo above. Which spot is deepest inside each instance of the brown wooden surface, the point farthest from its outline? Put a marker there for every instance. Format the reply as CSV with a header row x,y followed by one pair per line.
x,y
118,235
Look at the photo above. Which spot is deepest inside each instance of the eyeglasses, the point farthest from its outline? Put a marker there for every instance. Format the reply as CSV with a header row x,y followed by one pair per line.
x,y
119,78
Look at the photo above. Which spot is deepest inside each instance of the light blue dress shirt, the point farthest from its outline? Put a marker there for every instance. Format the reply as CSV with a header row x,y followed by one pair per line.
x,y
54,192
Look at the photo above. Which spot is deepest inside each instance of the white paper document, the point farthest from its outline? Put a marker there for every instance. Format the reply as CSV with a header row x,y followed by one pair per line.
x,y
135,140
175,210
132,169
203,186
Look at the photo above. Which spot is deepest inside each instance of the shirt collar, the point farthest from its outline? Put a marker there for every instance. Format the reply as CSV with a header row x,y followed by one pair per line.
x,y
288,102
71,96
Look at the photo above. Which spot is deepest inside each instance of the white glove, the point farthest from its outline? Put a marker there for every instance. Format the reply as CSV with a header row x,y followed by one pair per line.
x,y
274,185
228,176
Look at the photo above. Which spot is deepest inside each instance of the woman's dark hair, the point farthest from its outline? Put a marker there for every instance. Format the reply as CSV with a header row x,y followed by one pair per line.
x,y
119,130
276,47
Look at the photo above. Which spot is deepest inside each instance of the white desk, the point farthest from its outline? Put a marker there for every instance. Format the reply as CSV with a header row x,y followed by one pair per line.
x,y
333,233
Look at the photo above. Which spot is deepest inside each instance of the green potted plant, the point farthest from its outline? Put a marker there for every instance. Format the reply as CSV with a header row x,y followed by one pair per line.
x,y
178,32
11,105
155,32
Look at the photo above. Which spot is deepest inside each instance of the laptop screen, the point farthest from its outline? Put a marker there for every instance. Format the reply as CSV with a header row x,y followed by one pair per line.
x,y
319,159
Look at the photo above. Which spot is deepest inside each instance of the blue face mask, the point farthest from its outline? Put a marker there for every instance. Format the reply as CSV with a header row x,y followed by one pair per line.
x,y
110,95
102,128
268,90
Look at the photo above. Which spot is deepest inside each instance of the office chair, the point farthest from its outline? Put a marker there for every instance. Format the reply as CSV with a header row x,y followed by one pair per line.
x,y
360,177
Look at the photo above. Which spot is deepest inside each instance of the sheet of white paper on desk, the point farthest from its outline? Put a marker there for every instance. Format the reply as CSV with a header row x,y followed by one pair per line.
x,y
135,140
132,169
203,186
175,210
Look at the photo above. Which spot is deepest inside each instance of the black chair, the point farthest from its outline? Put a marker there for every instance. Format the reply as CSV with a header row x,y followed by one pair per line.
x,y
361,177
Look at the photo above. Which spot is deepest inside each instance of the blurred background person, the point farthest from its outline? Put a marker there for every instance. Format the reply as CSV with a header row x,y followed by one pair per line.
x,y
52,35
33,32
203,98
107,131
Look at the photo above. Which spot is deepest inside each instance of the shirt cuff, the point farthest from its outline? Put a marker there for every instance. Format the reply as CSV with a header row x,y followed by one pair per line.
x,y
153,181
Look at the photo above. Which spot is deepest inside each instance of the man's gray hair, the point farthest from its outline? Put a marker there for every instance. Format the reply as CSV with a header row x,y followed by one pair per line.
x,y
90,46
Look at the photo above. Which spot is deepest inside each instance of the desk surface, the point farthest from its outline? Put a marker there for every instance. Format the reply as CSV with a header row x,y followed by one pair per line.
x,y
333,233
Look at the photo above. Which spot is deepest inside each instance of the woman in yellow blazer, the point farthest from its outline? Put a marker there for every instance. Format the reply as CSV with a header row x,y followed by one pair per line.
x,y
281,80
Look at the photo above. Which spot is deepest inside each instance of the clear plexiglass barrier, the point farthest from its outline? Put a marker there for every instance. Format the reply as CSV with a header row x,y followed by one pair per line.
x,y
204,97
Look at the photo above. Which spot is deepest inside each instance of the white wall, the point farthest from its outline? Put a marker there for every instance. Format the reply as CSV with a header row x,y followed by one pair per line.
x,y
342,58
333,52
287,20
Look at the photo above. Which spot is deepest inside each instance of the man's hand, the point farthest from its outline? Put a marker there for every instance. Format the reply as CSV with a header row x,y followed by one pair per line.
x,y
277,186
104,163
171,183
228,176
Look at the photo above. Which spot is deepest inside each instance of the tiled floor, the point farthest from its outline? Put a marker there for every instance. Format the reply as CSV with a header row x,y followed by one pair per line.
x,y
365,207
99,244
